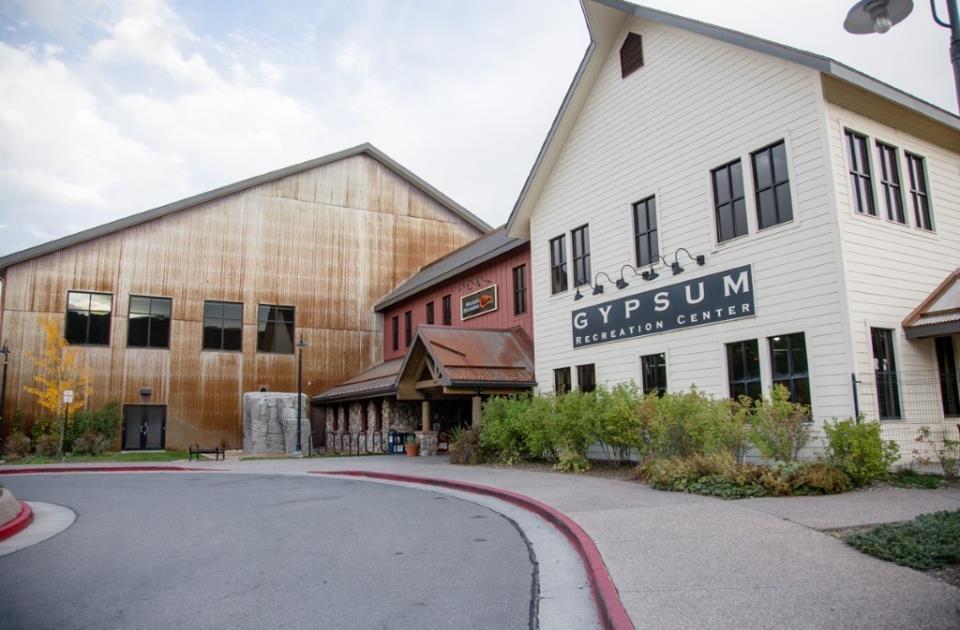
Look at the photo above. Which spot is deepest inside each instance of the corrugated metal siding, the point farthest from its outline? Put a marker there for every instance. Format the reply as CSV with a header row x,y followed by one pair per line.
x,y
328,241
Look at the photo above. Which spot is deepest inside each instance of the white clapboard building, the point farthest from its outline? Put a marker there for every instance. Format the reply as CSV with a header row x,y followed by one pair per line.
x,y
715,210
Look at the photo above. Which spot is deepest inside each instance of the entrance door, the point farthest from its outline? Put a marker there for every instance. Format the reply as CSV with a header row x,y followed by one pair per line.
x,y
144,427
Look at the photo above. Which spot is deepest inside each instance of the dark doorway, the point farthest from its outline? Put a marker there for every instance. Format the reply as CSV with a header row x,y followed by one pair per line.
x,y
144,427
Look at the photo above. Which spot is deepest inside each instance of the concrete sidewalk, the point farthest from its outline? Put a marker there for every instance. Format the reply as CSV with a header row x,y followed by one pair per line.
x,y
685,561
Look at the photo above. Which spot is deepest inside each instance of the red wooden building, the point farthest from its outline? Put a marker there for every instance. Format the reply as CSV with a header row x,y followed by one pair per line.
x,y
458,330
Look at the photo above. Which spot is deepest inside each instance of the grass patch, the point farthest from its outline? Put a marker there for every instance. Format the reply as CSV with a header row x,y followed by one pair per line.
x,y
160,456
913,479
930,541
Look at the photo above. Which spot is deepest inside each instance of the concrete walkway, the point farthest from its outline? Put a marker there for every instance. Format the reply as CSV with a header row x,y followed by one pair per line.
x,y
685,561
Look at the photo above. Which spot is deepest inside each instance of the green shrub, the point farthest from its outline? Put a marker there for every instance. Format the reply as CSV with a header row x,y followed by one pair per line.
x,y
47,444
16,446
858,450
516,428
683,424
618,422
45,424
779,428
909,478
572,428
89,444
105,422
929,541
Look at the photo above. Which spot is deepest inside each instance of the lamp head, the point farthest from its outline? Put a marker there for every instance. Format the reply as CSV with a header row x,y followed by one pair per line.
x,y
598,289
577,295
876,16
677,269
622,284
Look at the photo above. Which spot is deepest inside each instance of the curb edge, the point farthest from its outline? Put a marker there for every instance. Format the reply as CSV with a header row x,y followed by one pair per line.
x,y
37,470
18,523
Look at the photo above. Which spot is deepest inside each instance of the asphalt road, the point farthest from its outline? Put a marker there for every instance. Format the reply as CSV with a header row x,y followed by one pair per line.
x,y
255,551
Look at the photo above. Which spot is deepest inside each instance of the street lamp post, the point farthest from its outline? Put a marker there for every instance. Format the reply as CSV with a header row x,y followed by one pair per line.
x,y
878,16
300,346
5,351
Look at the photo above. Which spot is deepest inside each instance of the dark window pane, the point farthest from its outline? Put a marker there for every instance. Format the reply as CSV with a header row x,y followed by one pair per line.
x,y
232,336
763,169
586,378
784,205
160,332
788,355
138,330
99,328
767,206
77,322
263,313
211,336
743,368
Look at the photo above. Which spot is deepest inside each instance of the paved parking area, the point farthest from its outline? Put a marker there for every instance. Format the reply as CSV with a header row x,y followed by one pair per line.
x,y
263,551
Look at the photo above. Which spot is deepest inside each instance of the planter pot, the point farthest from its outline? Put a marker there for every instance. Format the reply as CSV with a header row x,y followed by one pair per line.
x,y
412,450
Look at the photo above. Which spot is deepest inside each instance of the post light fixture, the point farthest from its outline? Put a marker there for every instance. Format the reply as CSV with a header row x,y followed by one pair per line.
x,y
878,16
300,346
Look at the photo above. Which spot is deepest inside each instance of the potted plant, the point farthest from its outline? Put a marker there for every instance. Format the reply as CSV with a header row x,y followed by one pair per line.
x,y
411,446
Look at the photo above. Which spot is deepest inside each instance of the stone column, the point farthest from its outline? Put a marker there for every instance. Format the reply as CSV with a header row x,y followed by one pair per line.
x,y
475,412
425,416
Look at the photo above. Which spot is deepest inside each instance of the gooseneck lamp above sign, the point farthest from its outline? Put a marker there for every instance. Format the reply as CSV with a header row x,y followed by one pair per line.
x,y
647,274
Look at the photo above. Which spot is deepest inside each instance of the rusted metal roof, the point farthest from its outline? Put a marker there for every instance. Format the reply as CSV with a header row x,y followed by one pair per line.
x,y
379,380
196,200
485,248
939,313
477,357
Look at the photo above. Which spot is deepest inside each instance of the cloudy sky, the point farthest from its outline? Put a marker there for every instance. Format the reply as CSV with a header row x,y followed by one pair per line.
x,y
110,107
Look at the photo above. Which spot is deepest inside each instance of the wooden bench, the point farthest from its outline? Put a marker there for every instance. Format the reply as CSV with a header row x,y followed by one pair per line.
x,y
216,451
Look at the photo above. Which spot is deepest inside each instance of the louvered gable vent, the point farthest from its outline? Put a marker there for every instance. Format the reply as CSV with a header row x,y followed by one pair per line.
x,y
631,55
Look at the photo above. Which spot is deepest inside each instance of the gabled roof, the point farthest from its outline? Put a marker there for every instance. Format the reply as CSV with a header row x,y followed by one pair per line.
x,y
379,380
485,248
149,215
939,313
475,357
604,20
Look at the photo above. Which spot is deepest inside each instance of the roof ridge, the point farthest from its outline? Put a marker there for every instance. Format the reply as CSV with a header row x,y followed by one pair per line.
x,y
192,201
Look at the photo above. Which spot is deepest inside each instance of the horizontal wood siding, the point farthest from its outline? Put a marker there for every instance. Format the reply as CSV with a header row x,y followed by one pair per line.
x,y
330,241
498,271
892,267
696,104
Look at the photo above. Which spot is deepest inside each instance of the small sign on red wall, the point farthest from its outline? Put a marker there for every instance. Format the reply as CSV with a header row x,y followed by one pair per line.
x,y
478,302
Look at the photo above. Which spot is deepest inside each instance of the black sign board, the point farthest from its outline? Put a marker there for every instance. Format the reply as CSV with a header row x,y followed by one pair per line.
x,y
479,302
718,297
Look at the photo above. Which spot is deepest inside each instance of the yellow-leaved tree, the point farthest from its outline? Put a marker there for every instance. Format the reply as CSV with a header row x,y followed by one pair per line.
x,y
57,370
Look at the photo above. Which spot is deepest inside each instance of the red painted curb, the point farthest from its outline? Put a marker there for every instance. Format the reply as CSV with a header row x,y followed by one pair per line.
x,y
33,470
18,523
613,615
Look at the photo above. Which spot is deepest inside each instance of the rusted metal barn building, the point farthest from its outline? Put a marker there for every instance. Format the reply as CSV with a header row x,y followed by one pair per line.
x,y
455,332
180,309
